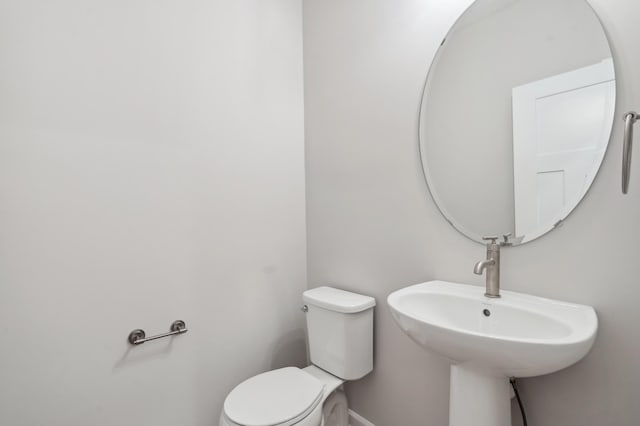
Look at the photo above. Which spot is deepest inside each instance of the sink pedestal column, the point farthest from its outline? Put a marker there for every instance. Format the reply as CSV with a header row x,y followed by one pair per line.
x,y
478,398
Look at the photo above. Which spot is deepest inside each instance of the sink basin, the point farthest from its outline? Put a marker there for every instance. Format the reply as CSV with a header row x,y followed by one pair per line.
x,y
518,335
488,340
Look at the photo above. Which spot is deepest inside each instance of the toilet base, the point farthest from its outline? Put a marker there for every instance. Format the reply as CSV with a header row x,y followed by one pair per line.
x,y
313,419
335,410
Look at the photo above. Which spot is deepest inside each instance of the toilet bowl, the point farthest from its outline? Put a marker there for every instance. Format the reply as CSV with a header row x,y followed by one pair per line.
x,y
285,397
340,333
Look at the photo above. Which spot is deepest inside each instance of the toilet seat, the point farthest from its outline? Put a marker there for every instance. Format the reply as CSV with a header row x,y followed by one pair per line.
x,y
280,397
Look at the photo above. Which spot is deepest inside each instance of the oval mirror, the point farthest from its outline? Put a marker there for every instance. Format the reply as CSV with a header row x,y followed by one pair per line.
x,y
516,116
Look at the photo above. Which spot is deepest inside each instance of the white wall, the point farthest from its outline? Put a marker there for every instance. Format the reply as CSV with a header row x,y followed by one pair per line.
x,y
373,228
151,169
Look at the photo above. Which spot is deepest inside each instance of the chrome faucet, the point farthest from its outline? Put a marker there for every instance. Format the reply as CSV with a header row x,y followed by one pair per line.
x,y
492,266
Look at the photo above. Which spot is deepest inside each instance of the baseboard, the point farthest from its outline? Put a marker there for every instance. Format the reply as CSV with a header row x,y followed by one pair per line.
x,y
356,419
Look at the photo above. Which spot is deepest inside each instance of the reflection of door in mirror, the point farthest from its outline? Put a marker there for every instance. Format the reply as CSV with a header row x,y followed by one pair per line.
x,y
555,147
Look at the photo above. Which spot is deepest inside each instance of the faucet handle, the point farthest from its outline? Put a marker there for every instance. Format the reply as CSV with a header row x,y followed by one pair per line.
x,y
505,239
492,239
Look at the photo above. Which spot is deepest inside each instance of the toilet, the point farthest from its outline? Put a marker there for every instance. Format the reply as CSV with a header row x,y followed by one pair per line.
x,y
340,335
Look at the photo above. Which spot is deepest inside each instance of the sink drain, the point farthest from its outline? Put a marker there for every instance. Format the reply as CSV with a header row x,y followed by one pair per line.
x,y
486,313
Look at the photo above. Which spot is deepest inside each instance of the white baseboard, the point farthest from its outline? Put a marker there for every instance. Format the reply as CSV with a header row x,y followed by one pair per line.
x,y
356,419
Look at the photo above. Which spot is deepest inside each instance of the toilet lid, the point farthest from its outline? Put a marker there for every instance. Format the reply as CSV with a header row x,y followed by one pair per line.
x,y
276,397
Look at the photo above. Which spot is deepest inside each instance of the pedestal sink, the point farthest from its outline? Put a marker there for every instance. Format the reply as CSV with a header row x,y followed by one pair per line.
x,y
489,340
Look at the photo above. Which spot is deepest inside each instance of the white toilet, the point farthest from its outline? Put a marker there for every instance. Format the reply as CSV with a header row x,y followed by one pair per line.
x,y
340,333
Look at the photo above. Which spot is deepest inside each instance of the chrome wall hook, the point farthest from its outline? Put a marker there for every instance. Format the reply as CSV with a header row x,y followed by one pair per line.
x,y
138,336
630,119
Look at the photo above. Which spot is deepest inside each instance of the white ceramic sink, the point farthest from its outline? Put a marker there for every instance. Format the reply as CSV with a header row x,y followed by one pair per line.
x,y
488,340
522,336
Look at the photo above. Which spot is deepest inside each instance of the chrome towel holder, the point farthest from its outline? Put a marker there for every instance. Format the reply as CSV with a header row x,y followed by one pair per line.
x,y
138,336
630,119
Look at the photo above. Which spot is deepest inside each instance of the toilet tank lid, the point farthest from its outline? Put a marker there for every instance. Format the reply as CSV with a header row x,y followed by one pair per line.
x,y
337,300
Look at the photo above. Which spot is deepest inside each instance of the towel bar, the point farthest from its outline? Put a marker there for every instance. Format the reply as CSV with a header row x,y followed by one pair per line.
x,y
138,336
629,120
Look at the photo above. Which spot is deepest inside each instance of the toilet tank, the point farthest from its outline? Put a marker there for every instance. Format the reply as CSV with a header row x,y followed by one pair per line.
x,y
340,331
